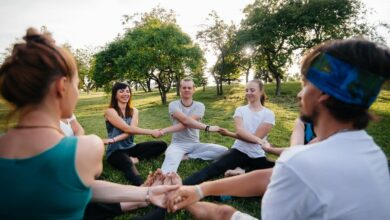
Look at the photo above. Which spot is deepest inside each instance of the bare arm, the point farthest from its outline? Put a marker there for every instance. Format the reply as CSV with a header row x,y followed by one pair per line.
x,y
76,127
189,121
226,132
112,116
178,127
112,192
267,147
251,184
245,135
134,120
298,133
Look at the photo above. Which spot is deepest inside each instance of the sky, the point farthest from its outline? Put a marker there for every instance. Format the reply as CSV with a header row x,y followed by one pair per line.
x,y
93,23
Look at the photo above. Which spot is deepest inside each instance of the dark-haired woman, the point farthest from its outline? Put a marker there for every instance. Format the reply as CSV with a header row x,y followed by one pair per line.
x,y
122,124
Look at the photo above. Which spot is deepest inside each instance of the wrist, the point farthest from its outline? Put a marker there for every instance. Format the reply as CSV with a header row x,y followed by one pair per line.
x,y
113,140
199,192
147,196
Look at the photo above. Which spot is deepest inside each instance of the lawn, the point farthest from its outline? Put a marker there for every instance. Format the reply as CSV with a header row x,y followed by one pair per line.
x,y
219,111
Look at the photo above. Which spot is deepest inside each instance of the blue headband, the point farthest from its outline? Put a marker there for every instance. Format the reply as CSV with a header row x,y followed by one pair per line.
x,y
344,81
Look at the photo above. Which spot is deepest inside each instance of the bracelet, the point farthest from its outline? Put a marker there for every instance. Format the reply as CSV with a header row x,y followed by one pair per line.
x,y
199,191
147,197
207,128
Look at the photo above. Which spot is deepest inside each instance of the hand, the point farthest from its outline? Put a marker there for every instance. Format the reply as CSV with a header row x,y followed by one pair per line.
x,y
214,128
223,131
266,146
156,133
108,140
157,194
184,196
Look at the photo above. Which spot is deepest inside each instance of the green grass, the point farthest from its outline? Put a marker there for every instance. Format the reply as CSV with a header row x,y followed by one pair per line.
x,y
219,111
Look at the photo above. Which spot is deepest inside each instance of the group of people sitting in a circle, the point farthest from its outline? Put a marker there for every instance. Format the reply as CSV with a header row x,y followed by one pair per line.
x,y
50,169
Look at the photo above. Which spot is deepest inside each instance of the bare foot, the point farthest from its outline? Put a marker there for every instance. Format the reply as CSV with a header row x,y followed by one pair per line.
x,y
235,172
135,160
152,178
159,178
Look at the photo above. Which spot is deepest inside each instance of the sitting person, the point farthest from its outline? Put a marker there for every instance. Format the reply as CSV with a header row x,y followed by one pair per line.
x,y
71,127
303,133
341,79
122,124
186,115
44,174
253,123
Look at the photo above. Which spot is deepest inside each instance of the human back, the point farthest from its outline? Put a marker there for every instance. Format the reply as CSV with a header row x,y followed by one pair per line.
x,y
40,169
344,175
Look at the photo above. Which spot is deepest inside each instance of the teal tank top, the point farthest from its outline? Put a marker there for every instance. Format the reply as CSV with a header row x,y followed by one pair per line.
x,y
45,186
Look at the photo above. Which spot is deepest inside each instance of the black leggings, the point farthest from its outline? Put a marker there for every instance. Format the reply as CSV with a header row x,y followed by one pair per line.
x,y
230,160
146,150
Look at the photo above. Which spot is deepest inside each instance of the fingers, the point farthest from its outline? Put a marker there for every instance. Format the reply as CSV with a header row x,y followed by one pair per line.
x,y
214,129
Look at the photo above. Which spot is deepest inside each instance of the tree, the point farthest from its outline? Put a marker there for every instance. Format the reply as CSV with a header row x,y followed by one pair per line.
x,y
154,48
85,63
277,28
219,37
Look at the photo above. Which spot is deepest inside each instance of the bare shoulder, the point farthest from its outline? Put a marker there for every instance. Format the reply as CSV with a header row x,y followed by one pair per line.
x,y
91,143
110,112
135,110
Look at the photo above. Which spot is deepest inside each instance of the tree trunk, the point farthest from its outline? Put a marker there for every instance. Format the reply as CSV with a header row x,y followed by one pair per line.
x,y
177,86
148,85
164,97
278,85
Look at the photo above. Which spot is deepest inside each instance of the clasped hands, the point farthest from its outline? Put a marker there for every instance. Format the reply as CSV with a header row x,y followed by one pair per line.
x,y
167,191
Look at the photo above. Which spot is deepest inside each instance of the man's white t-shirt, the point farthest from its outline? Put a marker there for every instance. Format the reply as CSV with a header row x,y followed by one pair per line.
x,y
251,121
187,135
344,177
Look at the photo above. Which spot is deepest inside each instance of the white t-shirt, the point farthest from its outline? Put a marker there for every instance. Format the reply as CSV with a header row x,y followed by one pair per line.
x,y
344,177
188,135
66,127
251,121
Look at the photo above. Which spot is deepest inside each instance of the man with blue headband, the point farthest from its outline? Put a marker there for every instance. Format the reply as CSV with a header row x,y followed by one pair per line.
x,y
343,176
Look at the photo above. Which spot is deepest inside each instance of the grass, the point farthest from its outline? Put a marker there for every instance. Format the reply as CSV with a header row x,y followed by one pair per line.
x,y
219,111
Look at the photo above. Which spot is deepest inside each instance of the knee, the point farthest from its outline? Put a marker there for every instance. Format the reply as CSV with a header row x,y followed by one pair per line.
x,y
225,211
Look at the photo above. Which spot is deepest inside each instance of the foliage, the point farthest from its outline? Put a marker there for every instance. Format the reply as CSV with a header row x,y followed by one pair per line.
x,y
277,28
85,63
219,36
154,49
219,111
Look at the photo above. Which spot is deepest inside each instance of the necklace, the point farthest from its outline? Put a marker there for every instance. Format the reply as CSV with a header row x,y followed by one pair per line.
x,y
38,126
187,106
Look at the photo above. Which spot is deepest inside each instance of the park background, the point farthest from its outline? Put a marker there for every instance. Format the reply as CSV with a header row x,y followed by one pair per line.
x,y
220,44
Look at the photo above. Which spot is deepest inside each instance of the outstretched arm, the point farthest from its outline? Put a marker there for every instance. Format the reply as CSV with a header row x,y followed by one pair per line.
x,y
251,184
112,116
192,121
245,135
112,192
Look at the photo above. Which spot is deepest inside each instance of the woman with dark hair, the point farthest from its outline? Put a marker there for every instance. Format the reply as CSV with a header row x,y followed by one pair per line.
x,y
122,124
44,174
